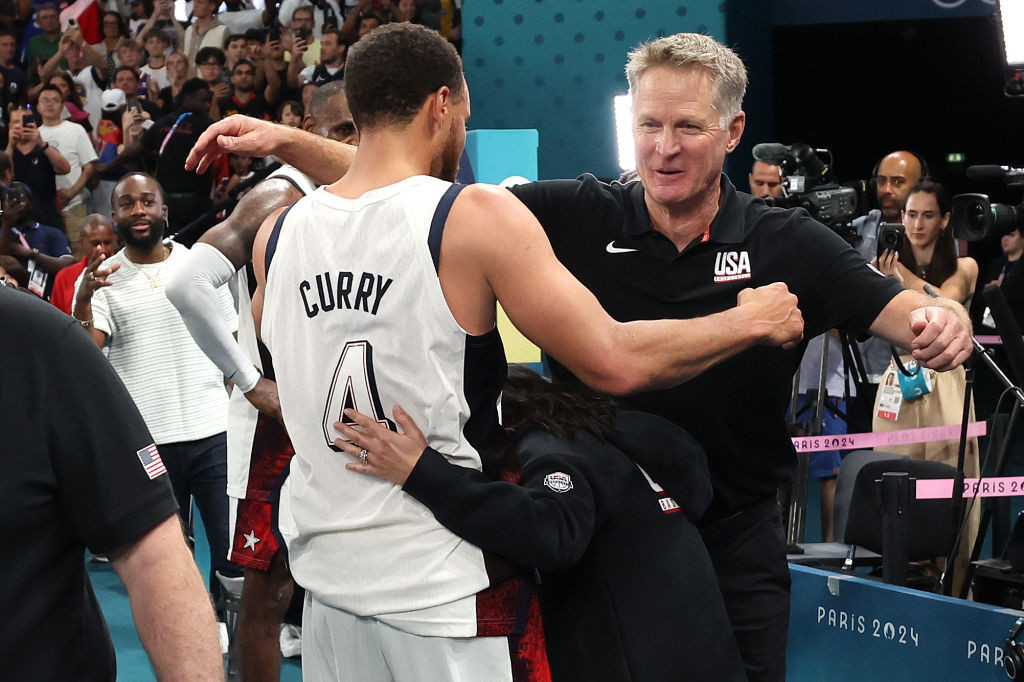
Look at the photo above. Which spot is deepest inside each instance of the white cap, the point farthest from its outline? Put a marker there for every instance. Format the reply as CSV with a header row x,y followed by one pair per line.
x,y
112,100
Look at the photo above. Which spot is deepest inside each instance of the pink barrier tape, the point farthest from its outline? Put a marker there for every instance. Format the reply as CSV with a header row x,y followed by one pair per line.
x,y
942,488
862,441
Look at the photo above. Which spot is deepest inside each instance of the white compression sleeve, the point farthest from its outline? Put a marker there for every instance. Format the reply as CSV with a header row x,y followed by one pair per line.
x,y
193,291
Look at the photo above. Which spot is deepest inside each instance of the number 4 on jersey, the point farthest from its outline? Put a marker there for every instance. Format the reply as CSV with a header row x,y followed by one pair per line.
x,y
353,387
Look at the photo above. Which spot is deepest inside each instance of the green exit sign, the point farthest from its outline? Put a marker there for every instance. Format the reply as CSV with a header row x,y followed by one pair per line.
x,y
955,158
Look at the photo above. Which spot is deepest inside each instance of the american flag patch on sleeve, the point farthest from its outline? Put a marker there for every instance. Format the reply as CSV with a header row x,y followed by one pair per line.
x,y
151,461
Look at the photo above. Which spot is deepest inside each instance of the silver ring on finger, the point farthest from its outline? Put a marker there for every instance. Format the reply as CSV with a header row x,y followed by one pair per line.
x,y
362,455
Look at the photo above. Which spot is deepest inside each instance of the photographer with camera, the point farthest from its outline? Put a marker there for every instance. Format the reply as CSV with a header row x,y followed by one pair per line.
x,y
892,179
927,255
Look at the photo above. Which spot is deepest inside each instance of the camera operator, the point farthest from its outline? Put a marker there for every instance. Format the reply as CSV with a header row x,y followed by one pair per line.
x,y
1007,274
892,178
765,179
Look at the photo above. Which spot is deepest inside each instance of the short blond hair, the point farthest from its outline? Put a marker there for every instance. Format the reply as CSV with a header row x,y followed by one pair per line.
x,y
695,50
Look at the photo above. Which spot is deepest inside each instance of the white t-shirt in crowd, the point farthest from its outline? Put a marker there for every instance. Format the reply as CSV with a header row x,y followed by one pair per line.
x,y
71,140
306,75
241,21
90,89
178,390
162,79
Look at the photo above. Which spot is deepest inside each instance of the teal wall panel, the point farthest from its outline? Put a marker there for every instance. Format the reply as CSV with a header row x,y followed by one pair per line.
x,y
555,65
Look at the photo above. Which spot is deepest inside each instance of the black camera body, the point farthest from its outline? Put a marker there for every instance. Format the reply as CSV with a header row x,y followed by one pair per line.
x,y
976,217
808,184
890,237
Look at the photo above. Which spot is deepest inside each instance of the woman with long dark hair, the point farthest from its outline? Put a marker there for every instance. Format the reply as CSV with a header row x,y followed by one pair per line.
x,y
604,505
928,256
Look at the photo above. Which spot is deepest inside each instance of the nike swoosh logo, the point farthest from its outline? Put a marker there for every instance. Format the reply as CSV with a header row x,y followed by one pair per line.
x,y
611,248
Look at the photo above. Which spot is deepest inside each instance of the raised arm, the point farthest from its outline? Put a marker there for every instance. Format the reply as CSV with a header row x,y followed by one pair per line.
x,y
323,160
494,247
221,251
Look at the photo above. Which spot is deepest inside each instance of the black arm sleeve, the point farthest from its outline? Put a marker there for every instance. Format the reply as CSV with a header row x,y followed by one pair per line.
x,y
531,524
95,433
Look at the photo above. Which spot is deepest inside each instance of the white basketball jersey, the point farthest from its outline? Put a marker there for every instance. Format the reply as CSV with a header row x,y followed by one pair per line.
x,y
354,316
242,416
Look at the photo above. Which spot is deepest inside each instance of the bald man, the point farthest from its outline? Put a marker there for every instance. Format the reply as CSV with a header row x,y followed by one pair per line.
x,y
765,180
895,174
96,240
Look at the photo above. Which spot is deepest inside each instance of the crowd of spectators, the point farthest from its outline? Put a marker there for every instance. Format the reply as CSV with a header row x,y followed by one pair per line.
x,y
86,99
87,103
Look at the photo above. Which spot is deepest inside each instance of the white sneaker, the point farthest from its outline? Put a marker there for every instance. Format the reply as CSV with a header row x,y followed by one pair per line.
x,y
290,640
222,628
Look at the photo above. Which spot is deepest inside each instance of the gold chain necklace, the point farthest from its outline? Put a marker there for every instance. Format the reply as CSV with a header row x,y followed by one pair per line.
x,y
154,283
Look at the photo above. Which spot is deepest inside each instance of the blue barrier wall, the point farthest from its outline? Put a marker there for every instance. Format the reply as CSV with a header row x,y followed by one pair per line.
x,y
847,628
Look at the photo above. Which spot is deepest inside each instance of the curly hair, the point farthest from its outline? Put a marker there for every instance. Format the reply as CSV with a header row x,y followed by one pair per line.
x,y
530,402
390,72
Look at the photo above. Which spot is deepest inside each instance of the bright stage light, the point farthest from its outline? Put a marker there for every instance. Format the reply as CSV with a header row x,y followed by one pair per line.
x,y
623,105
1011,20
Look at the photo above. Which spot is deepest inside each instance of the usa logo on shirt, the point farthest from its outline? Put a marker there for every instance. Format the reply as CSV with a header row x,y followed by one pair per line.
x,y
731,266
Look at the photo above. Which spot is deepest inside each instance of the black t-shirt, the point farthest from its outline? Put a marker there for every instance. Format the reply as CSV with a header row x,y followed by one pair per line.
x,y
36,171
14,90
287,93
180,130
736,410
256,107
72,479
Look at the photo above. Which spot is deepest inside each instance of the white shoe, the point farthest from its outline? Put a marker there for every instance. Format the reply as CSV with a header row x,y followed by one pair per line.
x,y
290,640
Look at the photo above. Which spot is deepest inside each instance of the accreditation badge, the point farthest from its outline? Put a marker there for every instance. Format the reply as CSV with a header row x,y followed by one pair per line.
x,y
37,278
890,398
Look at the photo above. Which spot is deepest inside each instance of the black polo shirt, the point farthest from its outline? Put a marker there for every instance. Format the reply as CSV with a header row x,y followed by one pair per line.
x,y
736,410
72,479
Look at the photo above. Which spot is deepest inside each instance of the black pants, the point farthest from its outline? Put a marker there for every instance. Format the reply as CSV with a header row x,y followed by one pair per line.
x,y
748,551
198,469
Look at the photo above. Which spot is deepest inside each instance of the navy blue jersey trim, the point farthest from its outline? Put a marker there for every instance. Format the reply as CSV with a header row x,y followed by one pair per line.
x,y
272,242
437,222
290,180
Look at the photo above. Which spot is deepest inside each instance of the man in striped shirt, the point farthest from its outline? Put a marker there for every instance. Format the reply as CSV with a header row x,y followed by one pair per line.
x,y
122,302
